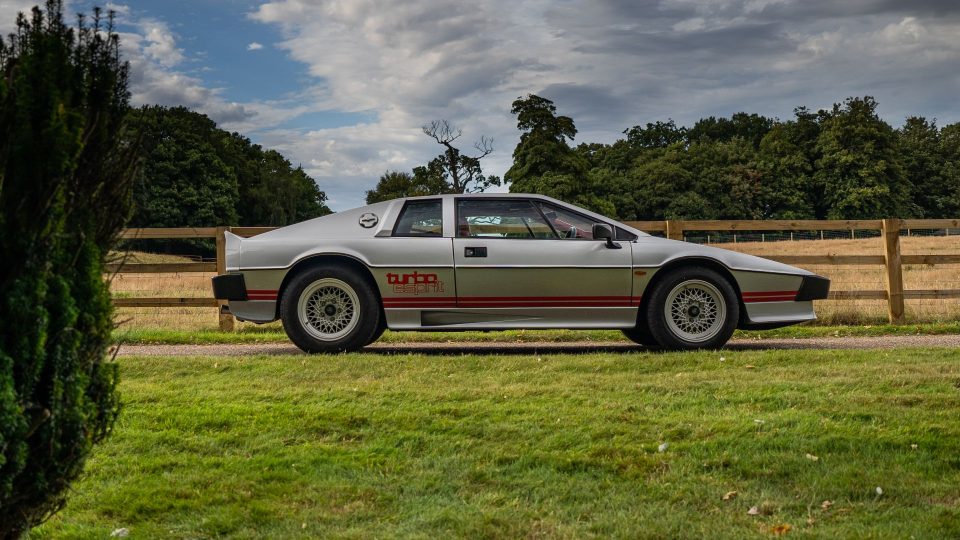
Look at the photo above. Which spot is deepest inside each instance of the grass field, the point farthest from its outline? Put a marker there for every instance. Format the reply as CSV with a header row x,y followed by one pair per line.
x,y
273,333
830,312
635,445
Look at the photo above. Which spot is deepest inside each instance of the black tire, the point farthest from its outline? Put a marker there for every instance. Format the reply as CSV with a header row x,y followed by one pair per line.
x,y
333,288
694,292
380,330
641,334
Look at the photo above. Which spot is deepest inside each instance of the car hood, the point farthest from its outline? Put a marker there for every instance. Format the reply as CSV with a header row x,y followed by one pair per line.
x,y
655,251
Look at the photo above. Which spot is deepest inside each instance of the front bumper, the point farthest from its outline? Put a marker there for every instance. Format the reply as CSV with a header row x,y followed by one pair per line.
x,y
229,287
813,288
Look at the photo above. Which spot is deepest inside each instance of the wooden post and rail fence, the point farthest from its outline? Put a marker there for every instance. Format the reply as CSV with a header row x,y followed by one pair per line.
x,y
890,258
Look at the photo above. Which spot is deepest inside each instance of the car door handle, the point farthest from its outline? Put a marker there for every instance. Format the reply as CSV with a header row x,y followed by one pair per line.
x,y
475,251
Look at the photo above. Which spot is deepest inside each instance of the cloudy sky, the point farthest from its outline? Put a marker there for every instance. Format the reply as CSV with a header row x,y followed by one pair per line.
x,y
342,86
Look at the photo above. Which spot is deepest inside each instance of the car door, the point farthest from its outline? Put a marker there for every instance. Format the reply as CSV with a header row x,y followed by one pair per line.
x,y
515,269
413,267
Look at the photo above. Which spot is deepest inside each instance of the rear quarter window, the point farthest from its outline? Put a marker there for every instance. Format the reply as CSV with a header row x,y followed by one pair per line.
x,y
420,218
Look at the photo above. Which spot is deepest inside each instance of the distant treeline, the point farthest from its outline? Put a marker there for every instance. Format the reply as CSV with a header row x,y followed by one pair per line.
x,y
195,174
842,163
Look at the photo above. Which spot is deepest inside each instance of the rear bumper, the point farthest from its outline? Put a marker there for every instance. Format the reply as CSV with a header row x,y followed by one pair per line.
x,y
813,288
229,287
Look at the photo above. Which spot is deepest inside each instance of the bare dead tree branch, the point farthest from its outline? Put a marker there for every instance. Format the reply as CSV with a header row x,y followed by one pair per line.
x,y
463,172
442,131
484,146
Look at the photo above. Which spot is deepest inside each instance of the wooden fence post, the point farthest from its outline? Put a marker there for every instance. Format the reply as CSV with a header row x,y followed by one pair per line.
x,y
226,318
675,230
894,266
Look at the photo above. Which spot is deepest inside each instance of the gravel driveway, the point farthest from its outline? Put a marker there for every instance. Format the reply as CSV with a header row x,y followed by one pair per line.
x,y
576,347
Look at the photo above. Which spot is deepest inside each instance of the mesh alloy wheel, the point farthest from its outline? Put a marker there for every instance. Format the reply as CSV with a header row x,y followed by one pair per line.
x,y
331,308
328,309
695,311
691,307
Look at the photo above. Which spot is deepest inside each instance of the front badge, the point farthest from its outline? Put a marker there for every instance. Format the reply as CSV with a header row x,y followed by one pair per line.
x,y
369,220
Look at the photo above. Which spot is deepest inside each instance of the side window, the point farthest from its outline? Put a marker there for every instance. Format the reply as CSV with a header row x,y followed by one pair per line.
x,y
420,218
503,218
626,236
567,224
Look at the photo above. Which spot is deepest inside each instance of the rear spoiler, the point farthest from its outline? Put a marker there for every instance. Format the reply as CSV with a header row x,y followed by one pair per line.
x,y
232,249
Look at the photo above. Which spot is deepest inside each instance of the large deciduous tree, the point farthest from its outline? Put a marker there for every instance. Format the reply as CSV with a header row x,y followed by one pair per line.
x,y
65,179
184,181
842,163
270,190
543,148
931,161
859,170
196,174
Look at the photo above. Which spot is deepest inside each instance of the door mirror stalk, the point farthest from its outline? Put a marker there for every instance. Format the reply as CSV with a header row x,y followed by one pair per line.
x,y
602,231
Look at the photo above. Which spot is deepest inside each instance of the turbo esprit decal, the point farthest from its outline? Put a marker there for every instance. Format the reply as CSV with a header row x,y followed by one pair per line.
x,y
415,283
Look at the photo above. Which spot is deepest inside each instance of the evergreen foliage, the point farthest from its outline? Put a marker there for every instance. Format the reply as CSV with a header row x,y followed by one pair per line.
x,y
841,163
66,171
397,184
543,148
195,174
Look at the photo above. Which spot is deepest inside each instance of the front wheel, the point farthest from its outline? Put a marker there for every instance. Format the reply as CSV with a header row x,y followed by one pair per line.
x,y
641,334
693,308
328,309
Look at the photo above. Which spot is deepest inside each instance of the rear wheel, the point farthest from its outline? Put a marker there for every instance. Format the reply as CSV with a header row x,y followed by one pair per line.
x,y
380,329
328,309
693,308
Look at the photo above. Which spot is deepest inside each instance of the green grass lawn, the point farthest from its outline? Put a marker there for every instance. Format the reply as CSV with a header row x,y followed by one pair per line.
x,y
273,333
434,446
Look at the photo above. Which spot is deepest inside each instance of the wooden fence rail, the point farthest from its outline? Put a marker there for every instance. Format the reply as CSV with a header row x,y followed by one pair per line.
x,y
891,258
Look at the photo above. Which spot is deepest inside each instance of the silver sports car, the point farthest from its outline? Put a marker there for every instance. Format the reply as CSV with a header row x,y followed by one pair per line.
x,y
498,261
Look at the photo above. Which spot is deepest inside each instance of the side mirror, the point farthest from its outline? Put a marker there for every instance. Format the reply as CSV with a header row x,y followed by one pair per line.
x,y
602,231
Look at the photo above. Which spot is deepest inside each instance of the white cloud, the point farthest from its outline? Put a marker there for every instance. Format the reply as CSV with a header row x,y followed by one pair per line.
x,y
119,9
8,13
254,46
159,44
609,64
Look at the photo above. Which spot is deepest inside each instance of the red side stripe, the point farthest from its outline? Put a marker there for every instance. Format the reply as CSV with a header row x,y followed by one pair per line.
x,y
261,294
769,296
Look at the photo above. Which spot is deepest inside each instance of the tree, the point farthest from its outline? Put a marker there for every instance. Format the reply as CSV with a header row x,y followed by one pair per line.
x,y
859,170
787,159
66,172
396,185
184,181
196,174
949,147
656,135
543,147
270,191
925,163
750,127
462,173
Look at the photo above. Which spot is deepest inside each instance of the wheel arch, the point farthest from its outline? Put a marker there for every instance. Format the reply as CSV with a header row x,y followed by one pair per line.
x,y
329,258
683,262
